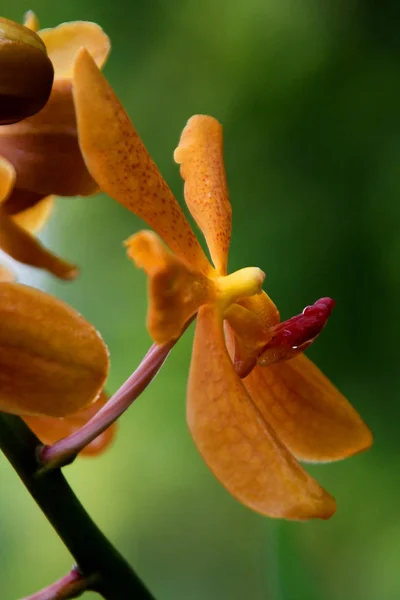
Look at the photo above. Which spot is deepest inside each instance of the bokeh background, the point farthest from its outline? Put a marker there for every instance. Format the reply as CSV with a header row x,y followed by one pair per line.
x,y
308,92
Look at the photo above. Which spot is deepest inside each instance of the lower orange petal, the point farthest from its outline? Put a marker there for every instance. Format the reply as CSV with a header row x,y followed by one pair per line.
x,y
50,429
240,447
312,418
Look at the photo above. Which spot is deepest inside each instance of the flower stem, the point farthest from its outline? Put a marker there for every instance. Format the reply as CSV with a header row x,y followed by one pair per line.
x,y
71,585
62,452
97,559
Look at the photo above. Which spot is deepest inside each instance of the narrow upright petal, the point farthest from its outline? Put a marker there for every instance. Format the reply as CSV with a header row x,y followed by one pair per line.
x,y
52,361
312,418
31,21
240,447
121,165
200,154
51,429
63,42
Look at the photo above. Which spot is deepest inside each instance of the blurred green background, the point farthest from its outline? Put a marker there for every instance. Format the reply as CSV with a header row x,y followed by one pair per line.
x,y
309,93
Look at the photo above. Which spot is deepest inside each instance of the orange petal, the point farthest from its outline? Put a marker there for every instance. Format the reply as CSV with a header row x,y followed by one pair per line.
x,y
312,418
252,320
240,448
6,274
175,290
52,361
51,429
200,154
7,179
32,219
64,41
44,149
25,248
121,165
31,21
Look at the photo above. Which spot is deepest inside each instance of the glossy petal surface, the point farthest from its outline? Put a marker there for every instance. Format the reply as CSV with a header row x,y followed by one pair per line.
x,y
52,361
64,41
312,418
51,429
240,448
121,165
200,154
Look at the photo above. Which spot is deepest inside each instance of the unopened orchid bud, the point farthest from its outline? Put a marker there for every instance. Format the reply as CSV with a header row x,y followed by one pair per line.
x,y
26,72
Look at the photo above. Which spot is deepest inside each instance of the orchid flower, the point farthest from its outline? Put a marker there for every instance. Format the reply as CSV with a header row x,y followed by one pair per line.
x,y
53,364
255,403
40,156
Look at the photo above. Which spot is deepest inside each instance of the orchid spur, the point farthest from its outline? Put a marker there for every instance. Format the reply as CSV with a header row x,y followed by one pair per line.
x,y
255,403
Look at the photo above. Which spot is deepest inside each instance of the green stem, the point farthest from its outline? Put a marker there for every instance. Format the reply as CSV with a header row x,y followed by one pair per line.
x,y
94,554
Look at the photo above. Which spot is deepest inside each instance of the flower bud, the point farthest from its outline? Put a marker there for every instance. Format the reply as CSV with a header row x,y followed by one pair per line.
x,y
26,72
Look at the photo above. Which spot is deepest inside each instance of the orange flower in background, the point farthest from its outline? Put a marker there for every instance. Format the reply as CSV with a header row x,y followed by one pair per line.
x,y
26,72
40,156
255,403
53,364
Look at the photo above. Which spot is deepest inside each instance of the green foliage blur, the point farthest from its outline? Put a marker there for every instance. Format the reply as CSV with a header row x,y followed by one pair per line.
x,y
309,94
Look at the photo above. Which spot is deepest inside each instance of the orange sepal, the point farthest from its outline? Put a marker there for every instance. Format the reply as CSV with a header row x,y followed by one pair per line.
x,y
52,361
311,417
240,448
200,154
51,429
121,165
175,290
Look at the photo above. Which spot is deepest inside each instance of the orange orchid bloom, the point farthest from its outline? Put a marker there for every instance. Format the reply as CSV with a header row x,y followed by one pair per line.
x,y
255,403
26,72
40,156
53,364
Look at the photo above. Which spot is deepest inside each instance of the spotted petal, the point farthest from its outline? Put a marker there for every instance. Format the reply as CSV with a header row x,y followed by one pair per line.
x,y
312,418
52,361
121,165
200,154
240,447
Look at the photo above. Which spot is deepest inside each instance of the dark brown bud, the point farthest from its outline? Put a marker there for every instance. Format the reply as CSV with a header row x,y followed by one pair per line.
x,y
26,72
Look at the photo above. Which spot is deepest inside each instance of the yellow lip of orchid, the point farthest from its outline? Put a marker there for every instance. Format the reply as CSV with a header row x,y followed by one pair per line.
x,y
249,430
43,150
